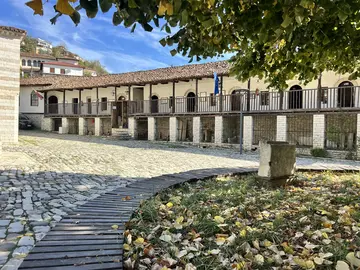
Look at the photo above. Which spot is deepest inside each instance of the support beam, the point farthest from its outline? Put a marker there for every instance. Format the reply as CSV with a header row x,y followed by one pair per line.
x,y
45,103
196,129
174,100
319,131
115,94
248,132
64,126
319,92
281,105
97,101
64,112
173,129
81,126
151,128
357,136
97,126
248,96
221,94
281,128
219,129
129,89
196,94
79,112
150,98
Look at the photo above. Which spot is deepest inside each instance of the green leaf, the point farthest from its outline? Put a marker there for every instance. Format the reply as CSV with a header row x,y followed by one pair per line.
x,y
91,14
167,29
184,17
147,27
177,6
173,52
170,42
287,21
116,18
105,5
163,42
133,28
75,17
91,7
132,4
208,23
342,16
156,21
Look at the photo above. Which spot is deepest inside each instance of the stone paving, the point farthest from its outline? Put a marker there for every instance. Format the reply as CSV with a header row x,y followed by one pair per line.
x,y
47,175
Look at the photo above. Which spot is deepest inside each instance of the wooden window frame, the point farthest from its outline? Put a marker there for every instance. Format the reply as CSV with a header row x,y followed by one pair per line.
x,y
34,99
324,94
52,70
212,99
264,98
62,71
104,104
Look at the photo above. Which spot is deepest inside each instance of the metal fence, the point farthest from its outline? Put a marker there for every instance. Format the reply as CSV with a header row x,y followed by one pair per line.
x,y
73,109
141,129
264,128
300,129
207,129
185,129
231,129
340,131
162,129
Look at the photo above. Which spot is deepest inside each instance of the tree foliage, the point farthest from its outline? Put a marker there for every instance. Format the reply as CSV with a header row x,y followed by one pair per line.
x,y
272,39
93,65
28,45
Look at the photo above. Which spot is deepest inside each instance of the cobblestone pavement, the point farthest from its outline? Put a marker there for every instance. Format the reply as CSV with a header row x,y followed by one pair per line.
x,y
46,175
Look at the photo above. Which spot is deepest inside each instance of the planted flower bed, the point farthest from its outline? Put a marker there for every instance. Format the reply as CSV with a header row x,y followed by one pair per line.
x,y
235,223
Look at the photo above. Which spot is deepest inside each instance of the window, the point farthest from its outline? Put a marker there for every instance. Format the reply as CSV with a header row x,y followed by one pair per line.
x,y
34,63
52,70
264,98
104,104
23,62
212,99
62,71
39,63
324,95
29,63
34,99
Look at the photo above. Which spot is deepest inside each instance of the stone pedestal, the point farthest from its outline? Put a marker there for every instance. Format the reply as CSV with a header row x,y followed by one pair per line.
x,y
319,131
281,128
277,162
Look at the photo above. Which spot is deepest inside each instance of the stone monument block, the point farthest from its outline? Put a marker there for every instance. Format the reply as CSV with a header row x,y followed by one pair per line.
x,y
277,162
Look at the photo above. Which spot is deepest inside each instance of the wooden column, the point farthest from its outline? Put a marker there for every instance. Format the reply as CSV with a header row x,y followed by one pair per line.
x,y
150,100
129,89
319,92
45,103
248,97
281,105
97,101
64,103
115,94
221,94
174,101
79,112
196,94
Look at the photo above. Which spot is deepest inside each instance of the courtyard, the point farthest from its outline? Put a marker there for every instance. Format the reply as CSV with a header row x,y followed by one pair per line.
x,y
47,176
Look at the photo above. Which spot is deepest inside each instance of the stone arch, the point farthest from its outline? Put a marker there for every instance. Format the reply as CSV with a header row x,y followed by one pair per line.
x,y
190,101
346,94
121,98
29,63
23,62
154,103
53,104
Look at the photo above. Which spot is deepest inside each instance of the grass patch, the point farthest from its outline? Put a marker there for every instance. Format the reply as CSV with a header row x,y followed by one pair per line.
x,y
237,223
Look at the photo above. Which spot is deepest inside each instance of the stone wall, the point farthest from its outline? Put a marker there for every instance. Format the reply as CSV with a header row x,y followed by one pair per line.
x,y
162,128
141,129
106,126
231,133
47,124
10,39
89,126
300,129
264,128
207,129
185,129
73,125
340,131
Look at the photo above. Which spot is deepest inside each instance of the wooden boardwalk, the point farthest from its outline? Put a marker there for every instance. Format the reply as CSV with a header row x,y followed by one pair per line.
x,y
85,239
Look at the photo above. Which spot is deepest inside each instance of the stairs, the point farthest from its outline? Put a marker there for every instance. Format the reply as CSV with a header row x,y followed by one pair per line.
x,y
121,134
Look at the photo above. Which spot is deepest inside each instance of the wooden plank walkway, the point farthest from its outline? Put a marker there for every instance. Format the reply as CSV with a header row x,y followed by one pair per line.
x,y
85,239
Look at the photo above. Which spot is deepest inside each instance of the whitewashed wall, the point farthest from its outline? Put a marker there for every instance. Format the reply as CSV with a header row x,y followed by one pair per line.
x,y
70,71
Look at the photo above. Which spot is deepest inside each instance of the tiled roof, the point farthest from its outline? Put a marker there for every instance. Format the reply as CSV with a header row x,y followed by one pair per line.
x,y
12,29
67,58
63,64
36,55
132,78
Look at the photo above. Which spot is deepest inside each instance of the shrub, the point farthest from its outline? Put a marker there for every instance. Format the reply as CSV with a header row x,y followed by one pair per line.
x,y
319,152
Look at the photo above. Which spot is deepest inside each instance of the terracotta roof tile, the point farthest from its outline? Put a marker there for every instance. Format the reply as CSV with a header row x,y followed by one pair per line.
x,y
12,29
36,55
64,64
132,78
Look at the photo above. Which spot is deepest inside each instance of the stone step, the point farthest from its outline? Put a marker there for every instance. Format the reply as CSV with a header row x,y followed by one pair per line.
x,y
121,133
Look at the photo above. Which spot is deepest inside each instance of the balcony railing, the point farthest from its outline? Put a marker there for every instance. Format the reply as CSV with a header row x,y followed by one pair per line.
x,y
73,109
337,98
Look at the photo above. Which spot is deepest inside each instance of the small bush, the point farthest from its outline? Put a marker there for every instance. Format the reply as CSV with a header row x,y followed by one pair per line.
x,y
319,152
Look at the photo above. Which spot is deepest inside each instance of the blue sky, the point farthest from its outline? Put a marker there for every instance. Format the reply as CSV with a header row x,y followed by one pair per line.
x,y
94,39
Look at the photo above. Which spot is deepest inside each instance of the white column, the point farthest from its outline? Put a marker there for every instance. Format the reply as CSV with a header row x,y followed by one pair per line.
x,y
218,129
132,127
151,128
81,126
281,128
97,126
196,129
173,129
358,136
64,126
318,131
248,132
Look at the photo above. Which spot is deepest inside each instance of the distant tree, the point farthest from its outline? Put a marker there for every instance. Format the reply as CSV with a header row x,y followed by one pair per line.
x,y
59,51
28,45
275,39
94,65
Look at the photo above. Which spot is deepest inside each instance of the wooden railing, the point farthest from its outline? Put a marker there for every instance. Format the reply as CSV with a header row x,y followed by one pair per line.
x,y
73,109
337,98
